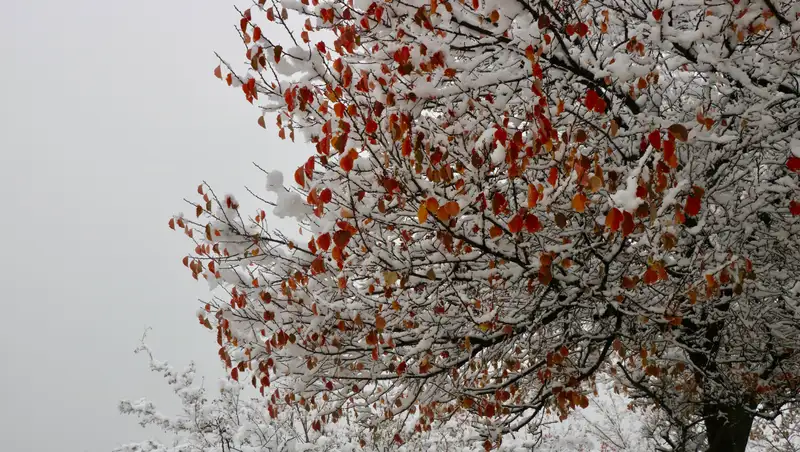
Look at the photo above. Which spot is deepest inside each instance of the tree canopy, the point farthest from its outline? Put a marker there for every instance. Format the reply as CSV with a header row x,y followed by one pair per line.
x,y
506,198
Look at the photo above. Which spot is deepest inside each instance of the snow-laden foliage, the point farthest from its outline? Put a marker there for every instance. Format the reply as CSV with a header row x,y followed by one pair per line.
x,y
227,417
506,197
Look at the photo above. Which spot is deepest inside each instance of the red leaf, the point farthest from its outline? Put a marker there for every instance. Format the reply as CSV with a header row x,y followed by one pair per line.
x,y
326,195
591,99
324,241
372,126
256,34
692,207
553,178
793,164
346,163
658,14
235,373
627,223
321,47
794,208
532,223
501,135
341,238
498,203
515,225
651,276
300,177
218,72
655,139
614,219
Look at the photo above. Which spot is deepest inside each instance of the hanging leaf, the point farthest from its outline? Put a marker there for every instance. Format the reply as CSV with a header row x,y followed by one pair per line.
x,y
679,132
579,202
422,214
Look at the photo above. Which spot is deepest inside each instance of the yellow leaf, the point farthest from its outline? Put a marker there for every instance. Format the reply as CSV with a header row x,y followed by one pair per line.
x,y
422,214
595,184
390,277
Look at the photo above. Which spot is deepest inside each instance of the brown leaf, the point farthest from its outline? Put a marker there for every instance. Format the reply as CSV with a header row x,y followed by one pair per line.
x,y
679,132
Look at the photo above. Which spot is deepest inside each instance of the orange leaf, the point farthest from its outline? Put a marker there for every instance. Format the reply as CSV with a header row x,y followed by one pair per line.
x,y
452,208
432,205
495,232
218,72
380,322
422,214
515,225
579,202
324,241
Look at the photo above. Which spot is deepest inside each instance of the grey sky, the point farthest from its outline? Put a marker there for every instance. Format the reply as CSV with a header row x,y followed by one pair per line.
x,y
109,115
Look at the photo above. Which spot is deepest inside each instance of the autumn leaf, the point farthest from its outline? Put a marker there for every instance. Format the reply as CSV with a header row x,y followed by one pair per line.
x,y
341,238
390,277
579,202
658,14
595,184
692,207
679,132
614,219
422,214
380,323
324,241
515,225
452,208
654,138
553,177
532,223
794,208
432,205
793,163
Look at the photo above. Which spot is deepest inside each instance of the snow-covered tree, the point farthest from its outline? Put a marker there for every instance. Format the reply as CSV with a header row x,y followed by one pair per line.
x,y
507,197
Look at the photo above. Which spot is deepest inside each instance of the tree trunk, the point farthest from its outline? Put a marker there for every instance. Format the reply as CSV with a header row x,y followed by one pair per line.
x,y
727,427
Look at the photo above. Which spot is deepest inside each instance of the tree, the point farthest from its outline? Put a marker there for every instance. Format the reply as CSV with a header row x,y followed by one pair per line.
x,y
507,198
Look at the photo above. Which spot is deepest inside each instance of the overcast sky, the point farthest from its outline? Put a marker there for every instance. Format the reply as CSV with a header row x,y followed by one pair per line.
x,y
109,116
